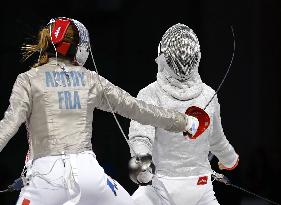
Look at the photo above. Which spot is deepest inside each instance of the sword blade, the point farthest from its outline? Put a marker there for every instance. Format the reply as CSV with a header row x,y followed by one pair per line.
x,y
253,194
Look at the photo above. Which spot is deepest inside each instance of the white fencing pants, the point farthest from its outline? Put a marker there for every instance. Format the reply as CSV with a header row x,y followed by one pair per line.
x,y
73,179
181,191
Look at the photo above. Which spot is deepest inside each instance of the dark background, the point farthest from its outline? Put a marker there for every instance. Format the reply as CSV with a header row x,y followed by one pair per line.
x,y
125,35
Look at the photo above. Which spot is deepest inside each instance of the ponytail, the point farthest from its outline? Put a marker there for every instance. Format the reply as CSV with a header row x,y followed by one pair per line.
x,y
44,40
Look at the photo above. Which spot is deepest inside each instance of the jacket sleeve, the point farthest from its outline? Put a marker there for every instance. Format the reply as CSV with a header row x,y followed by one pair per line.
x,y
219,145
141,137
125,105
18,110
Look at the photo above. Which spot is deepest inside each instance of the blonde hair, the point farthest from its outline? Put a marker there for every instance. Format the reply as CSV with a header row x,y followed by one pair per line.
x,y
44,41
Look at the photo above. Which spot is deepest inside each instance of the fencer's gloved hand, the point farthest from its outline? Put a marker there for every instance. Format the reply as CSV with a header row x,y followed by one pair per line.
x,y
223,167
197,121
141,169
192,124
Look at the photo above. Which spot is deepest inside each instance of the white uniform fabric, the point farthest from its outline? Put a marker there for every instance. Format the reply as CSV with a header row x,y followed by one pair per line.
x,y
176,191
72,179
173,155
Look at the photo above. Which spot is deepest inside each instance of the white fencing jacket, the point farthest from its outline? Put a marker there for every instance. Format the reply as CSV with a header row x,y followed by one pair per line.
x,y
173,154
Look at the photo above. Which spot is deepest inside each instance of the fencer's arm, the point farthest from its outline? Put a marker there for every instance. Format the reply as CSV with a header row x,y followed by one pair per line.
x,y
127,106
219,145
17,112
142,136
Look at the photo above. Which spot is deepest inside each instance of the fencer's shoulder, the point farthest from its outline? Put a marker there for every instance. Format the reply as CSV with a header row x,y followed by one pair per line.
x,y
148,93
209,93
32,72
27,74
86,69
207,89
23,78
149,89
89,72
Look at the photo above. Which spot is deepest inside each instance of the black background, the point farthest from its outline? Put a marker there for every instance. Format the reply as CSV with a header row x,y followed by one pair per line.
x,y
125,35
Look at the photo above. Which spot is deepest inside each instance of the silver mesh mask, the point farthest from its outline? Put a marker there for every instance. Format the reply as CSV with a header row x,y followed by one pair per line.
x,y
82,52
181,50
83,47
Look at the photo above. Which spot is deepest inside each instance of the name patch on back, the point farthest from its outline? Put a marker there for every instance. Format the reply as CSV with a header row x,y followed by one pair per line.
x,y
68,99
